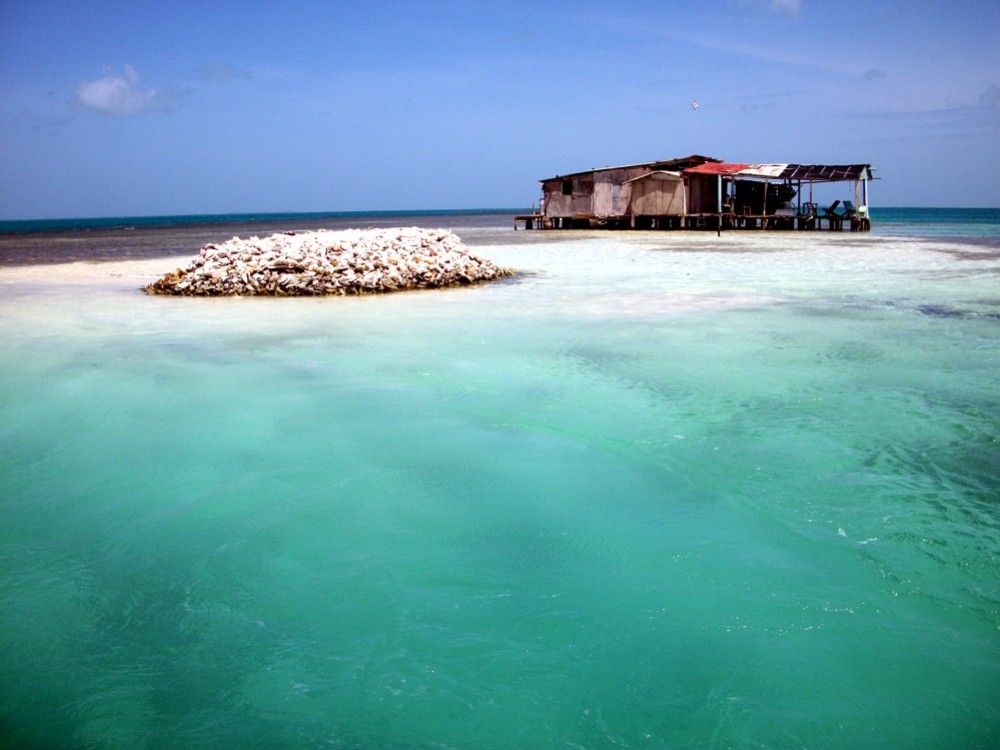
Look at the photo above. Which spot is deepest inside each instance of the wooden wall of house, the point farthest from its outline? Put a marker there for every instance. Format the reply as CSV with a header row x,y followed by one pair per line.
x,y
570,197
654,197
605,192
612,193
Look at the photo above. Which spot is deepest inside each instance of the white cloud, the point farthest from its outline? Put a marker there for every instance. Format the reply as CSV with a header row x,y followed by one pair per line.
x,y
120,95
791,7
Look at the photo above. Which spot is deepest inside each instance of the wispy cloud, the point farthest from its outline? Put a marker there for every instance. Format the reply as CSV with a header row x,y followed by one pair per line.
x,y
873,74
792,8
954,121
121,95
220,72
990,97
779,54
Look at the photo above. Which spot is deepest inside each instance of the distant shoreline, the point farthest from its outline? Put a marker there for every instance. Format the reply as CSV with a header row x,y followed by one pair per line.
x,y
888,214
20,226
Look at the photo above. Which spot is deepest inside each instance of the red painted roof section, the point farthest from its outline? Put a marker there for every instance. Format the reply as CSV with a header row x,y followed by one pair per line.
x,y
716,168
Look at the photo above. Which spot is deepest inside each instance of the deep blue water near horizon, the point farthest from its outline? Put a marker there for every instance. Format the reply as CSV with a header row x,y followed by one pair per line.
x,y
174,220
889,218
659,490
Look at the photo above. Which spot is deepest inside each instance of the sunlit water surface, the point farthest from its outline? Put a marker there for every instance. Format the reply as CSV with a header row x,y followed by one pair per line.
x,y
656,491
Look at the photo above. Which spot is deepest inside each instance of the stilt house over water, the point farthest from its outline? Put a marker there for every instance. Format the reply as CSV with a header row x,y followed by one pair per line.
x,y
699,192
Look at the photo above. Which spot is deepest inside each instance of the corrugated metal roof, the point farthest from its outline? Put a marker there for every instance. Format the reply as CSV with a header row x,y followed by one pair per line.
x,y
828,172
764,170
659,174
803,172
676,163
720,168
683,162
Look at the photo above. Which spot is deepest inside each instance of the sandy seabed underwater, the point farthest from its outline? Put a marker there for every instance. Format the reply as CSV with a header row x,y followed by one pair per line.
x,y
656,491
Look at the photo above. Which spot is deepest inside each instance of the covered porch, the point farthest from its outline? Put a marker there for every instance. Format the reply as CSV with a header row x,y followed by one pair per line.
x,y
776,196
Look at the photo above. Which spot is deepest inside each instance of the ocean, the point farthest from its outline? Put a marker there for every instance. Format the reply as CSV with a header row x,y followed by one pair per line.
x,y
658,490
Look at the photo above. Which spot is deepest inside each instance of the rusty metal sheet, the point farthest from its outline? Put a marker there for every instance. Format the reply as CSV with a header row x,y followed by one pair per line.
x,y
722,168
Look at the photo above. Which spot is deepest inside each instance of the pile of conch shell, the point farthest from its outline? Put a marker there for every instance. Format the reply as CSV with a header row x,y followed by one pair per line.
x,y
352,261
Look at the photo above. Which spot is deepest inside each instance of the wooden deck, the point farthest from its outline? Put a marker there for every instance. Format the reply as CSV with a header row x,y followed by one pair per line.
x,y
702,221
530,221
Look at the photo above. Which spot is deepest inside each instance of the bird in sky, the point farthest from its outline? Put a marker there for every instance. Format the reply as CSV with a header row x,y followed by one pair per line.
x,y
694,104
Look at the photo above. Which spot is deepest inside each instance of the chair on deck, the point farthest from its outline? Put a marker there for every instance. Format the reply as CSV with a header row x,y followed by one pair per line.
x,y
831,215
850,213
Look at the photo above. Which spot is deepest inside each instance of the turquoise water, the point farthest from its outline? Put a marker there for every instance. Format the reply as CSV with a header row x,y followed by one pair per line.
x,y
657,491
937,222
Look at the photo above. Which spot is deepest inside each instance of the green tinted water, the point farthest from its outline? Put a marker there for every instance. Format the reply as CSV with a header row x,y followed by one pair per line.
x,y
656,492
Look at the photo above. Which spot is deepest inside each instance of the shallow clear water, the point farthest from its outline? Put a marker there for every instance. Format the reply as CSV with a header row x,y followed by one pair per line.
x,y
656,491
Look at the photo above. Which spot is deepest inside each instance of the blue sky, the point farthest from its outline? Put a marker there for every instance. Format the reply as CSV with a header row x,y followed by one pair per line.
x,y
139,108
